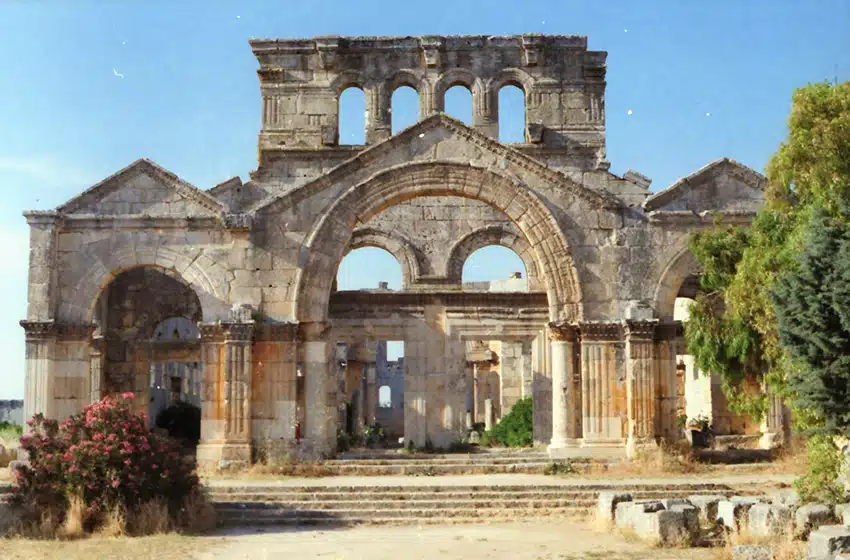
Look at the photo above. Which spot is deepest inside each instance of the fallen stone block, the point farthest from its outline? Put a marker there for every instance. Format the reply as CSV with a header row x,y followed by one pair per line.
x,y
707,506
842,513
769,520
828,541
670,502
733,513
691,517
810,517
665,527
788,498
606,509
622,517
751,552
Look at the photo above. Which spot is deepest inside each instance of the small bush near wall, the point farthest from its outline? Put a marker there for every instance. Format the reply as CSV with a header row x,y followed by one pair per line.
x,y
822,481
101,464
515,429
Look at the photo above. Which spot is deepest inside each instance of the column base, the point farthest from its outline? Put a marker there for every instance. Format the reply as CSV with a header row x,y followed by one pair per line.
x,y
603,443
636,445
223,455
563,449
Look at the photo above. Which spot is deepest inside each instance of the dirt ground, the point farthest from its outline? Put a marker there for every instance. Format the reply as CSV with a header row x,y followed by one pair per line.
x,y
542,540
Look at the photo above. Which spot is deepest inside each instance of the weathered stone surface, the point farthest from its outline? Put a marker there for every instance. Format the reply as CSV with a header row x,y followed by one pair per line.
x,y
788,498
827,541
842,513
811,516
9,517
144,246
751,552
707,506
733,512
607,505
769,520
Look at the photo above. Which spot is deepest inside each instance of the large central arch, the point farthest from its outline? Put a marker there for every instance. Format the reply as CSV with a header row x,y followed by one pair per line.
x,y
329,239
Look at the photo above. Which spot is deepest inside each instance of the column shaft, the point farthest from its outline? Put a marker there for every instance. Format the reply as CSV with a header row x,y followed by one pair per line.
x,y
564,400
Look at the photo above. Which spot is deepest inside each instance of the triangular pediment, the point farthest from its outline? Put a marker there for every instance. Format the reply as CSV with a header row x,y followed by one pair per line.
x,y
441,138
143,188
721,186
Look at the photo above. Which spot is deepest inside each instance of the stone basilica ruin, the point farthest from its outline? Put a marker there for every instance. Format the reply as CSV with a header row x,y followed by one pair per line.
x,y
227,297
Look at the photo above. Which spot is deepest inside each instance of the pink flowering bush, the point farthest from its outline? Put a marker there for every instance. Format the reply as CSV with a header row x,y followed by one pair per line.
x,y
107,456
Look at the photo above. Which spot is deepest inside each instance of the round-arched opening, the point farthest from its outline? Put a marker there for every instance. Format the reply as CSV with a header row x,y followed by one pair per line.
x,y
148,319
369,268
404,108
494,269
385,397
458,103
511,114
352,117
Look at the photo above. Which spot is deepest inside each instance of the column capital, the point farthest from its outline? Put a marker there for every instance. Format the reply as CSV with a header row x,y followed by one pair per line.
x,y
39,330
601,332
42,218
276,332
563,332
669,330
640,330
227,332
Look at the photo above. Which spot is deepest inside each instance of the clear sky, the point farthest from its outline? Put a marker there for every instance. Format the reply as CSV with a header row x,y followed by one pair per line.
x,y
88,87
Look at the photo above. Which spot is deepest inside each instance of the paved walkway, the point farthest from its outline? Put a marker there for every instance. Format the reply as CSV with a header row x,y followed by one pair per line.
x,y
500,480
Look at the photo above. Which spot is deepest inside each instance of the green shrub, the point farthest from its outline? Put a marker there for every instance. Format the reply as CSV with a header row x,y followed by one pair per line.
x,y
565,467
822,482
515,429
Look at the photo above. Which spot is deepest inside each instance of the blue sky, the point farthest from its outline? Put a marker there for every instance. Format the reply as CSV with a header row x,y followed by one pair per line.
x,y
189,100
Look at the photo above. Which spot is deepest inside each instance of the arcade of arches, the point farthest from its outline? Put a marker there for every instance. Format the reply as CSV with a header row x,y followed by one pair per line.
x,y
226,297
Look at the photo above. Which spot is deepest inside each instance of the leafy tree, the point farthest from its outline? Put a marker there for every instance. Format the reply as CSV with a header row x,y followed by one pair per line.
x,y
733,326
515,428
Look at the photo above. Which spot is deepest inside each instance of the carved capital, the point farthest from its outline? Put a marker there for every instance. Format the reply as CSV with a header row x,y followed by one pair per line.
x,y
39,330
641,330
563,332
227,332
601,332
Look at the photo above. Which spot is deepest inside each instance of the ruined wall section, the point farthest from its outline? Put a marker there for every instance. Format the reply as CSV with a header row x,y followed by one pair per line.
x,y
301,81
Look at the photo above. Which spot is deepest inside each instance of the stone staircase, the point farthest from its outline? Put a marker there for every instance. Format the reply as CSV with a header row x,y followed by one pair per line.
x,y
251,505
374,463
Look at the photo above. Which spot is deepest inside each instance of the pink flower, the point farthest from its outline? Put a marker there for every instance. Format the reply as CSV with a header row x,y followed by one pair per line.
x,y
115,483
128,396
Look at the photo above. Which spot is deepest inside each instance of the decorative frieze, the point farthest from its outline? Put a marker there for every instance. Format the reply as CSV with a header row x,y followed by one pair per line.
x,y
640,330
237,222
601,332
274,332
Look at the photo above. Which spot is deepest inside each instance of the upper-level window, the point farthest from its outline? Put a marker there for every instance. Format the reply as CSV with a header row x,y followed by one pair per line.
x,y
369,268
511,115
352,117
494,269
404,108
385,398
458,104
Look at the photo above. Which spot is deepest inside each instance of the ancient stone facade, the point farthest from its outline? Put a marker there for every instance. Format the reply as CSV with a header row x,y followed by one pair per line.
x,y
253,265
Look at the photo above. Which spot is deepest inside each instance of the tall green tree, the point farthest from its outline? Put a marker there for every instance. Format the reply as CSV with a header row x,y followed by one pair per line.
x,y
733,325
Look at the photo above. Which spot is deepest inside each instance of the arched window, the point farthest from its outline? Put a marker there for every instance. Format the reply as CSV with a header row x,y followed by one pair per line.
x,y
511,115
404,108
385,397
369,268
352,117
458,104
495,269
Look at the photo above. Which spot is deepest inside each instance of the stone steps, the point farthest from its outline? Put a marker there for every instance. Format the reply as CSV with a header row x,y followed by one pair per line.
x,y
241,505
382,463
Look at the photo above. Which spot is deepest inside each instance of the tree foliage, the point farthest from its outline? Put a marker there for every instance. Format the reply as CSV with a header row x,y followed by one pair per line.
x,y
812,304
515,428
732,329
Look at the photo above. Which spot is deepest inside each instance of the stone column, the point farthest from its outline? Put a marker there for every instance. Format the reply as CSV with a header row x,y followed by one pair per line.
x,y
414,391
378,120
564,399
371,392
320,428
39,382
489,416
541,388
773,424
226,400
274,389
485,112
96,369
640,388
666,423
604,416
43,246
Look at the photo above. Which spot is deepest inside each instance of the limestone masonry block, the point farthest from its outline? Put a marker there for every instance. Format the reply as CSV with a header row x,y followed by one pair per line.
x,y
828,541
842,513
751,552
607,505
707,506
769,520
811,516
733,512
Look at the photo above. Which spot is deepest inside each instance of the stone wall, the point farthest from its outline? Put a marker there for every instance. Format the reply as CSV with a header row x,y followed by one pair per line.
x,y
12,412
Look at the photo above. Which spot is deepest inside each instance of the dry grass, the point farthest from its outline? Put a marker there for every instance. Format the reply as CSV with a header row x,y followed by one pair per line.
x,y
783,547
791,459
114,523
664,460
107,548
72,527
150,518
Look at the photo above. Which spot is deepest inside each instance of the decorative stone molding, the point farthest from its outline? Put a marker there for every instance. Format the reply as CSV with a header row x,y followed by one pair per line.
x,y
227,332
43,330
276,332
237,222
640,330
601,332
532,49
327,47
39,330
669,330
42,218
431,46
